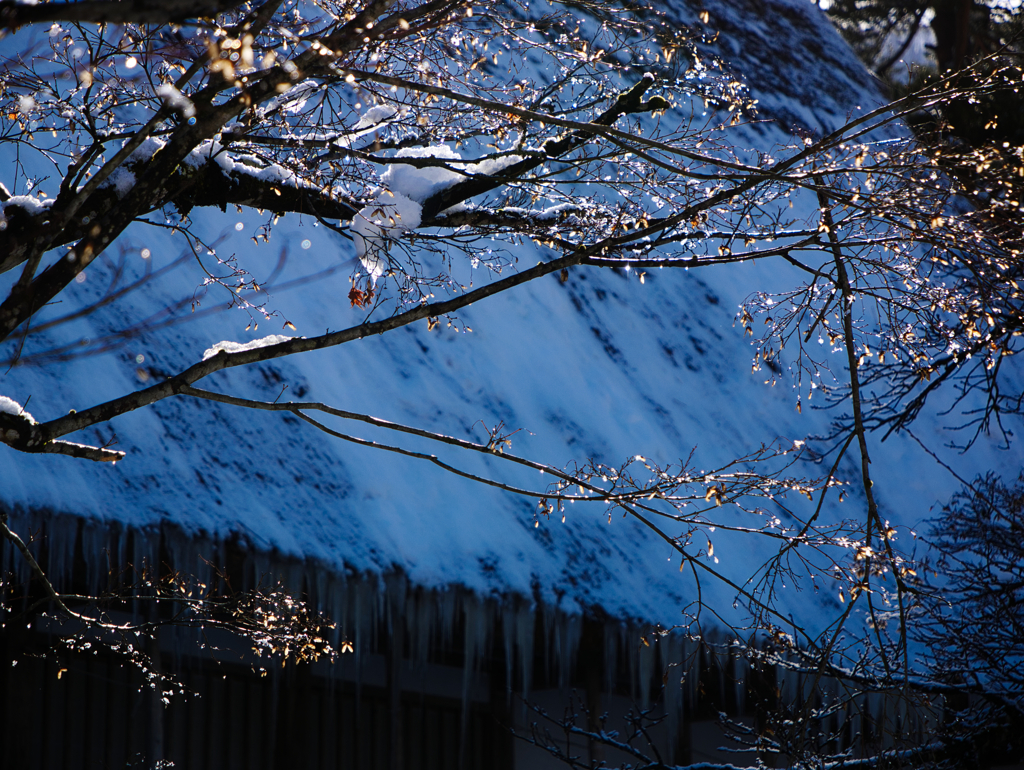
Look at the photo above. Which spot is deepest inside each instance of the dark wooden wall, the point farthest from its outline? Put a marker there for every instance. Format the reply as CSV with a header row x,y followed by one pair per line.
x,y
75,711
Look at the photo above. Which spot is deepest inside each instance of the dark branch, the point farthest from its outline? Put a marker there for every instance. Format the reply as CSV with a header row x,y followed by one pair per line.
x,y
627,102
15,14
17,432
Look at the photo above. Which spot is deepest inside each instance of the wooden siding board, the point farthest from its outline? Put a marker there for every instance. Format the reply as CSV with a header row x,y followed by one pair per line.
x,y
52,749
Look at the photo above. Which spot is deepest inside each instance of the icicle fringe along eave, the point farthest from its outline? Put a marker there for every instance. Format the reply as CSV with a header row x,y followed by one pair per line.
x,y
530,645
453,623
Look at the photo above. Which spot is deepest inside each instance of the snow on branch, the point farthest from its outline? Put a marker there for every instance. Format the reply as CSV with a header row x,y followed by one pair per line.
x,y
384,219
516,216
227,346
209,176
10,406
18,429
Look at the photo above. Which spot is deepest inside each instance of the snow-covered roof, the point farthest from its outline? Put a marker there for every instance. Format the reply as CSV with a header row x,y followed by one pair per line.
x,y
601,366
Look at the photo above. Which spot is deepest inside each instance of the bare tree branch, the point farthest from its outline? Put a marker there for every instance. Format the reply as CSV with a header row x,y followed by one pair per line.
x,y
15,14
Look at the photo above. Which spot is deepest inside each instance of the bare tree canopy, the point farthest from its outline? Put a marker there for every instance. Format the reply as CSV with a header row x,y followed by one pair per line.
x,y
457,153
14,14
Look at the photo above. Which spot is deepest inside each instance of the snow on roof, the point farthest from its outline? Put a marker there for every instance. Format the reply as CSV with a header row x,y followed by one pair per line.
x,y
601,366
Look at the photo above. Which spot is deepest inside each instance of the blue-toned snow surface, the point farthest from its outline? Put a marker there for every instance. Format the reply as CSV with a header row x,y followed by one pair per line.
x,y
600,366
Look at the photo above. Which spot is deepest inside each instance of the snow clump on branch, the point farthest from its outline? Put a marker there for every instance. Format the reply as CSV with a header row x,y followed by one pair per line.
x,y
396,207
176,100
293,100
388,216
29,204
10,406
370,123
418,184
227,346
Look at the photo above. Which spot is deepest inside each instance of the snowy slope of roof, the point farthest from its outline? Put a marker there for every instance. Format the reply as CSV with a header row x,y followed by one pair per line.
x,y
600,366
